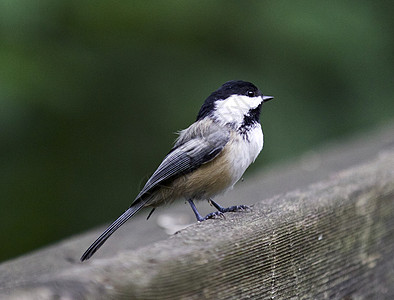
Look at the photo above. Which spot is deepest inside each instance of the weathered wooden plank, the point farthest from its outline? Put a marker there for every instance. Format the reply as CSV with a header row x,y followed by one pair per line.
x,y
332,240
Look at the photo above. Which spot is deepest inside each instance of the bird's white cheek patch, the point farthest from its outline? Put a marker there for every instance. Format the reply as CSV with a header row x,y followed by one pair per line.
x,y
234,108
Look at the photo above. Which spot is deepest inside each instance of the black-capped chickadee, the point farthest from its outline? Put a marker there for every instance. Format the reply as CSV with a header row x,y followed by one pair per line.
x,y
208,157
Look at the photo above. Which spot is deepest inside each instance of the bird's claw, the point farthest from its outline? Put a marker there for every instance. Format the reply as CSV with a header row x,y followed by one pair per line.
x,y
214,215
236,208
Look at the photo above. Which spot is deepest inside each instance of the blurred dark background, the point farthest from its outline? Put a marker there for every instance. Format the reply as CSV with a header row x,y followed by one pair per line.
x,y
91,93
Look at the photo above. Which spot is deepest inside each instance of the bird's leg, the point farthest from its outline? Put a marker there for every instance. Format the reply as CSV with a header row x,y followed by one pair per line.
x,y
228,209
194,208
199,217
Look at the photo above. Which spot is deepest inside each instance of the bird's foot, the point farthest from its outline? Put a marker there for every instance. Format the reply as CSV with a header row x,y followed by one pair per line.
x,y
213,215
229,209
200,218
219,213
235,208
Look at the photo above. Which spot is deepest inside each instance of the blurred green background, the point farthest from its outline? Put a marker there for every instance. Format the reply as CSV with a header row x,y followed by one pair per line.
x,y
91,93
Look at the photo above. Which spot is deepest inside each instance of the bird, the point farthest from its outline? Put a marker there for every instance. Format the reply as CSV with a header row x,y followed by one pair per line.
x,y
207,158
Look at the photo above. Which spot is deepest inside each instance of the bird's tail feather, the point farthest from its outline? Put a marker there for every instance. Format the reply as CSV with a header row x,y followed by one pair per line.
x,y
134,208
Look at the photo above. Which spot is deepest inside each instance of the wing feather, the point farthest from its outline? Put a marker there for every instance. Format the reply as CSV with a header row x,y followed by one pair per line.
x,y
187,156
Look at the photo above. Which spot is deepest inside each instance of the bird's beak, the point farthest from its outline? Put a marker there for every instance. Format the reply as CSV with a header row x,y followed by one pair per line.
x,y
267,98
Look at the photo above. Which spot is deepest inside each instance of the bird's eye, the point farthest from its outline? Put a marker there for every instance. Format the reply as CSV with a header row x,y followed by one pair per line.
x,y
250,93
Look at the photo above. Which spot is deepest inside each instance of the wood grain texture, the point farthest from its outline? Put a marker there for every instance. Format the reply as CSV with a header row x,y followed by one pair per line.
x,y
331,240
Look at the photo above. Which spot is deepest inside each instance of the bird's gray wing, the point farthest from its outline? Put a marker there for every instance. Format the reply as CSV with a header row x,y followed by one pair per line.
x,y
187,157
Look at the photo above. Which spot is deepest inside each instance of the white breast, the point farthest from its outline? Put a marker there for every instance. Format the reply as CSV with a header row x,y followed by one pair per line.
x,y
243,150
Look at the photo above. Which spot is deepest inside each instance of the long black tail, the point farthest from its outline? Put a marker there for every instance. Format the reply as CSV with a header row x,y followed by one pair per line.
x,y
135,207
